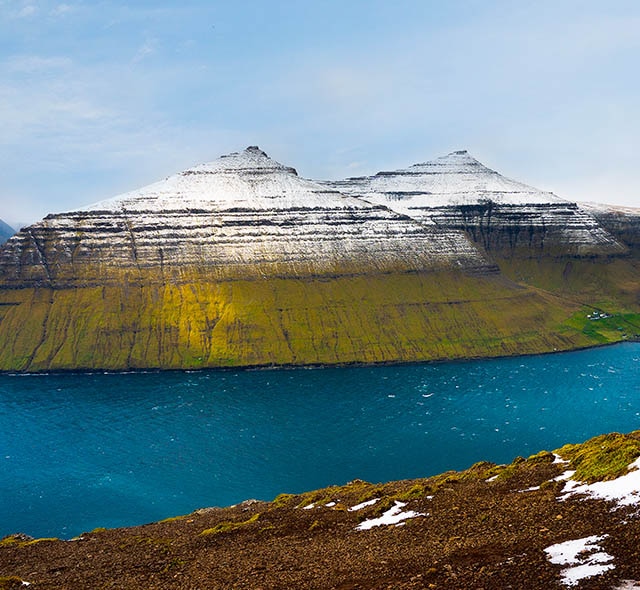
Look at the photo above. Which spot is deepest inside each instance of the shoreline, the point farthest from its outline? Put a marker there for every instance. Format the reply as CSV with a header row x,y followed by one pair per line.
x,y
309,366
315,391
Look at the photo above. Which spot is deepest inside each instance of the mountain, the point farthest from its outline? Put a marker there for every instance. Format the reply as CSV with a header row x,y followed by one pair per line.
x,y
621,222
502,215
588,254
567,518
6,231
241,216
240,262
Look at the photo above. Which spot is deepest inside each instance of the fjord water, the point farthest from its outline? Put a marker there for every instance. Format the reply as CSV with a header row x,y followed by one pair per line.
x,y
80,451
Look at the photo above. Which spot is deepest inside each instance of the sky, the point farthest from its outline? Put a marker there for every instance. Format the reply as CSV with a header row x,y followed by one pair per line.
x,y
101,97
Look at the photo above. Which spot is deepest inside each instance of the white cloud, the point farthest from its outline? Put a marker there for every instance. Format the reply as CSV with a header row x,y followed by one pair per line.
x,y
75,133
27,11
29,64
147,49
533,89
61,9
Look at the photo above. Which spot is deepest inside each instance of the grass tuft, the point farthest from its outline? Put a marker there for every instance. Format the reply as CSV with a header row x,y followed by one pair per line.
x,y
227,526
604,457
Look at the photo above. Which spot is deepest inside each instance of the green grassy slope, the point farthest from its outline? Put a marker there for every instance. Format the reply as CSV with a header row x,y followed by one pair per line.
x,y
589,280
393,317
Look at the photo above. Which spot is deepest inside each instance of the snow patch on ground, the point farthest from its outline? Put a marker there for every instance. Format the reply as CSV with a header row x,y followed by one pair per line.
x,y
625,490
363,505
394,515
584,557
567,475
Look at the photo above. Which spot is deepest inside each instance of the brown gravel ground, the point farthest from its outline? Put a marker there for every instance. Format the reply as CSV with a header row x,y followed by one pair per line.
x,y
475,534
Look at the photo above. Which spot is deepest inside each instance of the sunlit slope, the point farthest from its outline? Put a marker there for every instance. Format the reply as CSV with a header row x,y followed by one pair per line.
x,y
610,283
393,317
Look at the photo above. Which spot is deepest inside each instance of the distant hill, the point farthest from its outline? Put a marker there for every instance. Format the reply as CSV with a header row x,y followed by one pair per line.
x,y
241,262
6,231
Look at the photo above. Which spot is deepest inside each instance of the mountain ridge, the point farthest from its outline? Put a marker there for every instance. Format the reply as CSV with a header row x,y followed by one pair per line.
x,y
456,178
501,215
233,215
248,179
241,262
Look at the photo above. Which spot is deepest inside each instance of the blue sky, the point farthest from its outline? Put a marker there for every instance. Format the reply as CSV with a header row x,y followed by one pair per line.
x,y
100,97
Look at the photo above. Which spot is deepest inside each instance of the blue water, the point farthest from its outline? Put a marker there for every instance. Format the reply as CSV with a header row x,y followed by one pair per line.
x,y
85,451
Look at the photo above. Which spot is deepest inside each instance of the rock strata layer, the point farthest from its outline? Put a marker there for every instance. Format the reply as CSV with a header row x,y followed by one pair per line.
x,y
502,215
241,216
621,222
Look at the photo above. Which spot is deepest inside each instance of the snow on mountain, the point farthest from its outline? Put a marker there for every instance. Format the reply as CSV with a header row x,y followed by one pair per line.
x,y
245,214
458,192
622,222
454,179
607,208
248,180
242,215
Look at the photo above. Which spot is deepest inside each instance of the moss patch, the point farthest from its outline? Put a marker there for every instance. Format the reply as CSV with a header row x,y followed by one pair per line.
x,y
23,541
227,526
602,458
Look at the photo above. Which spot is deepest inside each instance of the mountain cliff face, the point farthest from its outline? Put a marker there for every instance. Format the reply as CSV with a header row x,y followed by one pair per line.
x,y
6,231
621,222
240,262
503,216
242,216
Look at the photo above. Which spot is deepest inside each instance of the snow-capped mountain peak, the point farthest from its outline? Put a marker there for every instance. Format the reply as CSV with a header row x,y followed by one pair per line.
x,y
455,179
249,179
453,162
250,160
459,192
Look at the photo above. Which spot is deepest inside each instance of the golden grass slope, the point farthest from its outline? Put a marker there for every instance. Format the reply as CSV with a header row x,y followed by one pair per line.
x,y
369,318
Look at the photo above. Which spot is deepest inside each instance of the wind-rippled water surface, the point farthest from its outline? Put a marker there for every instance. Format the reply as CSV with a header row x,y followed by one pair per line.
x,y
80,451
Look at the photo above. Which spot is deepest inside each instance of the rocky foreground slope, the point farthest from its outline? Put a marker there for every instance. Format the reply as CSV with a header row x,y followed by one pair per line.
x,y
240,262
555,520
